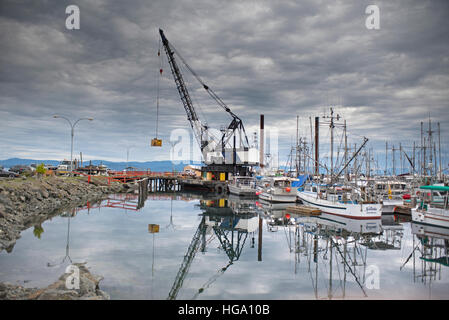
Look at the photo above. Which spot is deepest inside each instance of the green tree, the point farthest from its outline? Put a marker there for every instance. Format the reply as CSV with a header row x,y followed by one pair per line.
x,y
40,170
38,230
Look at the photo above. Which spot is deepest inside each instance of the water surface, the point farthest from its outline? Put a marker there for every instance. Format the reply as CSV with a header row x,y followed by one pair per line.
x,y
212,248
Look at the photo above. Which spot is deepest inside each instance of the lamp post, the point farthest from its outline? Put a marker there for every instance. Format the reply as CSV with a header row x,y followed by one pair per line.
x,y
72,126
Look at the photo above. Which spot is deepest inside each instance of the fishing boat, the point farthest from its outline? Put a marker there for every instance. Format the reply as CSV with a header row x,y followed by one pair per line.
x,y
277,189
243,186
339,201
390,194
432,208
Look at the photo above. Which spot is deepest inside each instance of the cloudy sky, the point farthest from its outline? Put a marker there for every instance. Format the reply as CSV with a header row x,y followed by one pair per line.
x,y
279,58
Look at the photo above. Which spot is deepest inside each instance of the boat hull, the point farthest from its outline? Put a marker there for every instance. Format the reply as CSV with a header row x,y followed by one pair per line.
x,y
437,217
389,205
241,191
354,211
277,197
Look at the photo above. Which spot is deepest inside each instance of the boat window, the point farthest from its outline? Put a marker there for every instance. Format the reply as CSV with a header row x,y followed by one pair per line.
x,y
314,189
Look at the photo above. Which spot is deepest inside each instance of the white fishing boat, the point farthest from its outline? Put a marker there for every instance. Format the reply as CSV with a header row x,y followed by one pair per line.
x,y
243,186
389,203
277,189
432,209
339,202
390,194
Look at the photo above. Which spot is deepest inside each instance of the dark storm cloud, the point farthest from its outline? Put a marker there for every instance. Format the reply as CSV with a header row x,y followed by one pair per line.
x,y
278,58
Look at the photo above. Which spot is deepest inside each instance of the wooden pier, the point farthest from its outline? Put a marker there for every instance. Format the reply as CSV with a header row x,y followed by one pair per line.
x,y
162,181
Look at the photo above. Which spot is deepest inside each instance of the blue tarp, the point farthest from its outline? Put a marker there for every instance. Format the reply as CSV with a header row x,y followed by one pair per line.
x,y
301,180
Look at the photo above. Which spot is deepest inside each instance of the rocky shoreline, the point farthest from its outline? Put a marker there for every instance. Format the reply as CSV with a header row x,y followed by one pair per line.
x,y
88,289
29,202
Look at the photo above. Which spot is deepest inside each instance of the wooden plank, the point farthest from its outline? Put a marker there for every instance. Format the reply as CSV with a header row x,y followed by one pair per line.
x,y
304,210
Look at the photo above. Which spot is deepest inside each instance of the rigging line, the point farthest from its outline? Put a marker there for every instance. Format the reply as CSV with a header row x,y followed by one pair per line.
x,y
158,87
286,238
195,101
209,91
338,152
353,273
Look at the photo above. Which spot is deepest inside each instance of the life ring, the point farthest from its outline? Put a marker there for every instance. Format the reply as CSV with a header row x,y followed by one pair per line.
x,y
219,189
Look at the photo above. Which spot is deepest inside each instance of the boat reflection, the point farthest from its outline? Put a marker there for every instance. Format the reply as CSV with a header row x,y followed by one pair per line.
x,y
430,253
324,245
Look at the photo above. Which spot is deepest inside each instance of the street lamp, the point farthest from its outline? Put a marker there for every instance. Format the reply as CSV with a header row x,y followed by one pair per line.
x,y
72,126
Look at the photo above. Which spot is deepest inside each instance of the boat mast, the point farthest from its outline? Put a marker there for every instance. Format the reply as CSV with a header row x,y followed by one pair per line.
x,y
430,145
346,151
423,153
332,126
317,132
439,152
297,158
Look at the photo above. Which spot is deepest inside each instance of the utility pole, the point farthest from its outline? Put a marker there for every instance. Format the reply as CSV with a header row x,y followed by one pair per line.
x,y
72,133
386,157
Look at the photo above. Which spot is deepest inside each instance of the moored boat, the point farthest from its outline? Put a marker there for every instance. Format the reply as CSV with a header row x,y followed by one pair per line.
x,y
243,186
278,189
339,202
432,208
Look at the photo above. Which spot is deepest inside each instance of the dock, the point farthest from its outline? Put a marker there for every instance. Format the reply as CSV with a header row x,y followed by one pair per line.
x,y
304,210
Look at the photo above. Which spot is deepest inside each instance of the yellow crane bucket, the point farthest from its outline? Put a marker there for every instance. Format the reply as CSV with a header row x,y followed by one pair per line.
x,y
153,228
156,142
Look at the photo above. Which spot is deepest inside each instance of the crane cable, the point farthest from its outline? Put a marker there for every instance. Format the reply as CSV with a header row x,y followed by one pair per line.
x,y
158,85
206,87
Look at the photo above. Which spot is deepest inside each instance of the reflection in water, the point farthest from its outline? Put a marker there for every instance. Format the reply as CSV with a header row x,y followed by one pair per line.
x,y
332,243
228,220
297,257
68,215
431,246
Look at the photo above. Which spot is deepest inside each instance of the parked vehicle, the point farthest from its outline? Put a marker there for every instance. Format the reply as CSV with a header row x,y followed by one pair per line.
x,y
10,174
20,169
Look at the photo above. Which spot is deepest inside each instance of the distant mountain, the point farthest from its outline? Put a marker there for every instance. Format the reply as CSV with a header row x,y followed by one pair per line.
x,y
152,165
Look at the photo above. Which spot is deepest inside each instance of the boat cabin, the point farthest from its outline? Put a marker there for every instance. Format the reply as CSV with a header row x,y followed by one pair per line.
x,y
436,196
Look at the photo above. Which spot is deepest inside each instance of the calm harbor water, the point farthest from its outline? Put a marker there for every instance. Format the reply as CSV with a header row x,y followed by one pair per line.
x,y
214,248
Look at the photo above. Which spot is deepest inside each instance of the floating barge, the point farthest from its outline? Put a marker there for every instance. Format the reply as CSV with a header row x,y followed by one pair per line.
x,y
304,210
